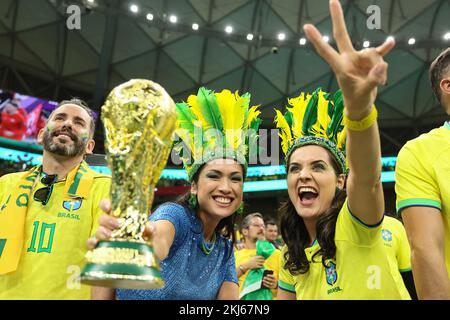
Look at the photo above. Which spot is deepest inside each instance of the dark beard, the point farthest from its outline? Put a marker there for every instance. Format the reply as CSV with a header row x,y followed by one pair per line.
x,y
61,149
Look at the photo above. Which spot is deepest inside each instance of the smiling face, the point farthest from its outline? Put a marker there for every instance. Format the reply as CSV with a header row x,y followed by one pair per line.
x,y
256,230
219,188
271,232
67,132
312,181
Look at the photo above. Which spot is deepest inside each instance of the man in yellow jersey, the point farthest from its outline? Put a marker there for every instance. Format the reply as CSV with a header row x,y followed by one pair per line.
x,y
422,185
48,213
253,230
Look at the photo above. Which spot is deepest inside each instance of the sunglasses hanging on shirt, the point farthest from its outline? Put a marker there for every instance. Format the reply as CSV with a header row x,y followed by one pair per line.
x,y
43,194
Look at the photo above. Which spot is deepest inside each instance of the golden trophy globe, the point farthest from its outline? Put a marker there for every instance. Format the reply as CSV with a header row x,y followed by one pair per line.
x,y
139,118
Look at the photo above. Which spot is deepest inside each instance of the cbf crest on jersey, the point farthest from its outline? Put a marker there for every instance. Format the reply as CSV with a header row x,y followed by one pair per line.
x,y
72,205
386,234
331,273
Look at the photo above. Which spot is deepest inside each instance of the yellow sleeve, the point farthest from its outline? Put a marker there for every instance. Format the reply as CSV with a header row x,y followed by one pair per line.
x,y
415,182
286,280
238,257
100,190
242,256
350,228
273,263
403,251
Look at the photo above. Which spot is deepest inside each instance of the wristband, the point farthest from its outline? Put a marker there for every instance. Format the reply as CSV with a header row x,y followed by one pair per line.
x,y
363,124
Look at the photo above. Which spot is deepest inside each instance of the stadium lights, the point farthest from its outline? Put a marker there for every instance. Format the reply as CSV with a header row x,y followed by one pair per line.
x,y
134,8
173,19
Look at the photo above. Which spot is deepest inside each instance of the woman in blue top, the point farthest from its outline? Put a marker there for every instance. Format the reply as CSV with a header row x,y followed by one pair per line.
x,y
194,236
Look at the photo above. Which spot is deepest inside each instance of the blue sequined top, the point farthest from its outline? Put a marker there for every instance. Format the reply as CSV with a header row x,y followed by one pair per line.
x,y
188,272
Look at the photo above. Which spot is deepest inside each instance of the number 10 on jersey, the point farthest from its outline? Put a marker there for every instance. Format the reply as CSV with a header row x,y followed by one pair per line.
x,y
45,239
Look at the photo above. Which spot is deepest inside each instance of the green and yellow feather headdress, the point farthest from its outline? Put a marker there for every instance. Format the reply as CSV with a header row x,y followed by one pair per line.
x,y
216,125
314,119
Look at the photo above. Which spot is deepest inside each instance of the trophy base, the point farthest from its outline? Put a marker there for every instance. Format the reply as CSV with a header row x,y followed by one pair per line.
x,y
122,264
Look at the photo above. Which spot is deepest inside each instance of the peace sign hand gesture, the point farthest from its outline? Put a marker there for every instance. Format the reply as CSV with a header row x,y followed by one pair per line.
x,y
358,72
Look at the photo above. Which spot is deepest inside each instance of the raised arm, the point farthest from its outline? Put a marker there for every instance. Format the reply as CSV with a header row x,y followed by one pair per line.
x,y
358,74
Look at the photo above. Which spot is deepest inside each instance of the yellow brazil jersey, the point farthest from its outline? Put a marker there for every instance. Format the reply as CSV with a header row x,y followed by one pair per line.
x,y
422,176
362,268
54,242
271,263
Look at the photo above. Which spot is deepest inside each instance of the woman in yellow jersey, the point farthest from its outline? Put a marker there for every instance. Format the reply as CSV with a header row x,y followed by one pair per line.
x,y
332,221
396,242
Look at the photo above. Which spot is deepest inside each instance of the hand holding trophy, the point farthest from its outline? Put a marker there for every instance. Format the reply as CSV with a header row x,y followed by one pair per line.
x,y
139,118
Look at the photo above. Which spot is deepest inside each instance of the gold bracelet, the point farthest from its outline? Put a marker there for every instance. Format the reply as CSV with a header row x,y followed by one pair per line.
x,y
363,124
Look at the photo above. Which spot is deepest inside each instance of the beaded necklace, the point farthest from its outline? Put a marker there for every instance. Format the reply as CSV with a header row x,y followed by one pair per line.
x,y
208,248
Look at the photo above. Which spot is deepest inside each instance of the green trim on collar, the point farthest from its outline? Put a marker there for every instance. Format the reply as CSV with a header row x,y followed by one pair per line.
x,y
315,242
361,223
447,125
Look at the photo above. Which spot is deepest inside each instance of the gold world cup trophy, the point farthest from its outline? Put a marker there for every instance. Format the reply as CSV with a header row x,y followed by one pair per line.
x,y
139,118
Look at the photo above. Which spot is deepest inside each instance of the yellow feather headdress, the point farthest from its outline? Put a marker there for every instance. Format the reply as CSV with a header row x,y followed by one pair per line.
x,y
314,119
216,125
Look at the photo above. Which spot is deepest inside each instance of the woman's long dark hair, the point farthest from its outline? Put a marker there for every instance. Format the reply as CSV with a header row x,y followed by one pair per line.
x,y
225,226
296,237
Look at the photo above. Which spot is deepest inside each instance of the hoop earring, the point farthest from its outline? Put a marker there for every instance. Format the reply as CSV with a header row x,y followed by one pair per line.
x,y
193,201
